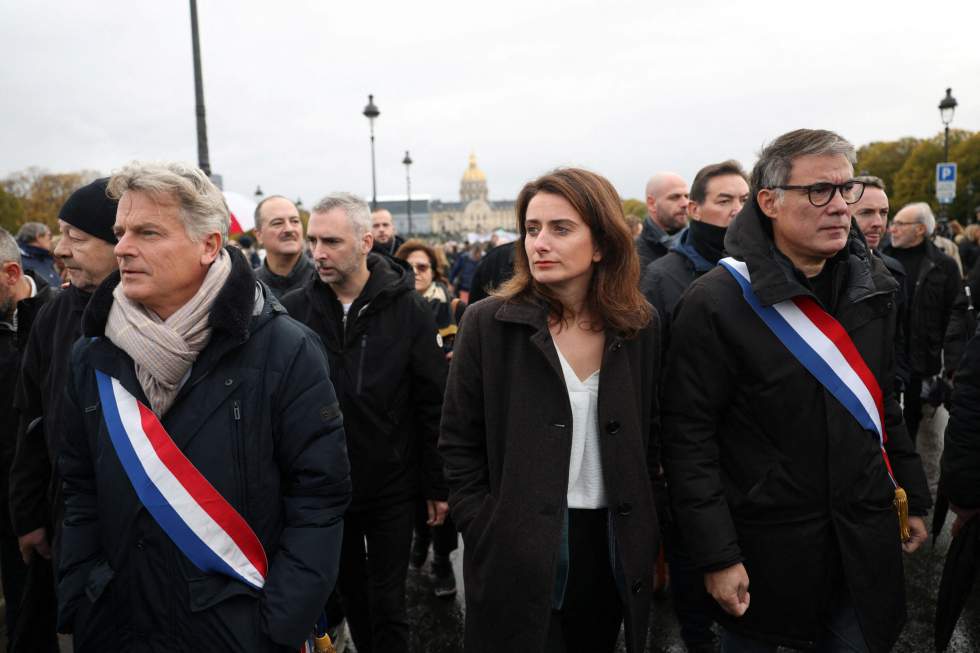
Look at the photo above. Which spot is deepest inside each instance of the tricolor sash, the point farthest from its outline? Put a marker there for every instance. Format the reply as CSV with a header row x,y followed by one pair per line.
x,y
203,525
826,350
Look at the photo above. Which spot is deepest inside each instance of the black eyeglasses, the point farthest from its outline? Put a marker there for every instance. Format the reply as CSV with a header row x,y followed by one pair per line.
x,y
821,193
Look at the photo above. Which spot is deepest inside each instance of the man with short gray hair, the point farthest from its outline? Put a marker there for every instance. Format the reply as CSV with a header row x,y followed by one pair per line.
x,y
778,474
279,230
390,375
932,284
204,468
35,251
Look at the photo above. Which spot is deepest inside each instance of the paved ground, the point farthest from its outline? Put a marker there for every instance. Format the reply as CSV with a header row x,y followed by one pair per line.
x,y
437,624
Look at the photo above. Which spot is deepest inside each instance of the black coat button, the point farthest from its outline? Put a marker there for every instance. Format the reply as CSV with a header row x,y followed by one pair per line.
x,y
139,545
625,508
637,587
612,427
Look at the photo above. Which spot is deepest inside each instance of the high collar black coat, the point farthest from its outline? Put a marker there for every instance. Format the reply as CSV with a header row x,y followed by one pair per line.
x,y
506,442
765,467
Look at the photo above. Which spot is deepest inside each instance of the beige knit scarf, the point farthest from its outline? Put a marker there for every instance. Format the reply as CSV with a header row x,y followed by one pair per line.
x,y
164,350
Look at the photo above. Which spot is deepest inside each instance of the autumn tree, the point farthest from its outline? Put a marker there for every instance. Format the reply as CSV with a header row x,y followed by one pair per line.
x,y
11,212
41,193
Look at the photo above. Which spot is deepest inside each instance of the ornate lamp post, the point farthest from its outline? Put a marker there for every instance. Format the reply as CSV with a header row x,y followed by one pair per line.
x,y
259,194
408,190
946,110
371,112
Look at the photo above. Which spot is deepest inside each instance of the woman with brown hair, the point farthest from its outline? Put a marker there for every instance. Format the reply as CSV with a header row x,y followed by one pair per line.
x,y
548,428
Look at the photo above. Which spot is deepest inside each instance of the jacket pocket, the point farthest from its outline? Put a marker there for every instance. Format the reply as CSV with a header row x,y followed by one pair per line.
x,y
98,579
207,591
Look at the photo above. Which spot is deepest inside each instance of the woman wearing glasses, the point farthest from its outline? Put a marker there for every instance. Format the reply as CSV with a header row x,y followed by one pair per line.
x,y
548,421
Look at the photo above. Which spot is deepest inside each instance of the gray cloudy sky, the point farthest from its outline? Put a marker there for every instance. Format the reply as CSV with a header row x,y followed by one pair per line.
x,y
623,87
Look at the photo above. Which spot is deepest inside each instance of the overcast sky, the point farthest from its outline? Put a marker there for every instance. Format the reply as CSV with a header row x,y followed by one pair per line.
x,y
626,88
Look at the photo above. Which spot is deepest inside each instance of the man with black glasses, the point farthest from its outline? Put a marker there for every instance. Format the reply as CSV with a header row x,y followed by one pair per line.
x,y
787,460
932,284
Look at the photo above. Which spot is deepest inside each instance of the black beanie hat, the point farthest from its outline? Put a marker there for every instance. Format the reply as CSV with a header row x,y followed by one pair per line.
x,y
90,209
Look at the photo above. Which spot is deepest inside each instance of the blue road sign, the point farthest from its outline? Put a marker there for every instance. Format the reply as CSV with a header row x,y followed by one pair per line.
x,y
945,182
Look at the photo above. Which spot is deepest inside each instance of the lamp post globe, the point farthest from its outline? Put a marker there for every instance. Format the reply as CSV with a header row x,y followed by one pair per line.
x,y
371,112
947,107
407,162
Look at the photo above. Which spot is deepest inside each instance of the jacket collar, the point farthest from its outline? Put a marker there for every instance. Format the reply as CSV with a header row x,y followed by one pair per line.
x,y
776,279
653,234
231,313
683,244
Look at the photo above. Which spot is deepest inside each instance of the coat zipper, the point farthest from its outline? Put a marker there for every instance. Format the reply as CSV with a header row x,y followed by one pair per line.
x,y
360,364
240,451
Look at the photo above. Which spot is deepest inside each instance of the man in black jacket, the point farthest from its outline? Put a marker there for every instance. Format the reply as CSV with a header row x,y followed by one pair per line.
x,y
667,198
960,478
386,238
210,519
389,372
21,296
36,505
932,285
279,229
773,480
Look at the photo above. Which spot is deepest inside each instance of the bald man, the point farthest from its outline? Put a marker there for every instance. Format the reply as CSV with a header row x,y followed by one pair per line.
x,y
667,200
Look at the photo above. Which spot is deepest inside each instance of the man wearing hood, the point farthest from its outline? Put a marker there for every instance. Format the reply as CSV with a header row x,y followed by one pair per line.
x,y
390,374
36,505
667,199
717,195
782,493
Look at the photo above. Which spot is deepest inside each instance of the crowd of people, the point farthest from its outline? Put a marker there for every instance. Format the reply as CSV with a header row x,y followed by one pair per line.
x,y
210,449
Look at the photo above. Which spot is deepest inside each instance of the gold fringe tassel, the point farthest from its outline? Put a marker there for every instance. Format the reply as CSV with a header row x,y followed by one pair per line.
x,y
323,644
902,508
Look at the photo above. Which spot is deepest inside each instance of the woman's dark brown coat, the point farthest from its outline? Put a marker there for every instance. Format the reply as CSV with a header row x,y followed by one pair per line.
x,y
506,442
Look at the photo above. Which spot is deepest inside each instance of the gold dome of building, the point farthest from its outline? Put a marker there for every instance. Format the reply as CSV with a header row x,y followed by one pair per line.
x,y
473,172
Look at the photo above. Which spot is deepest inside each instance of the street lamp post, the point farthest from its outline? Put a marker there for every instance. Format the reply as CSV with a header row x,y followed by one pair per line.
x,y
203,160
259,194
946,110
408,190
371,112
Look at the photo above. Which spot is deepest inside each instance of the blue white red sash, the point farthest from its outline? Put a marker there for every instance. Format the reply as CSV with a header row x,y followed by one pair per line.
x,y
208,530
825,349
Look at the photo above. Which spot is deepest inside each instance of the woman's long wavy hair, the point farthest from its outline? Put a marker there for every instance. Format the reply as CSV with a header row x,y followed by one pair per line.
x,y
613,300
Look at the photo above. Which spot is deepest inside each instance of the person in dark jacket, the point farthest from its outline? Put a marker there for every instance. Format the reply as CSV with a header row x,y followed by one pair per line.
x,y
667,199
960,466
870,213
461,273
21,296
932,286
389,371
447,311
36,505
496,267
386,238
717,195
279,229
35,252
242,394
547,431
783,499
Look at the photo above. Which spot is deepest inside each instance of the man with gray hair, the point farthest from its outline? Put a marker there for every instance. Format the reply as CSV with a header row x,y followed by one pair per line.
x,y
35,251
667,199
205,473
780,419
932,284
279,229
21,296
390,374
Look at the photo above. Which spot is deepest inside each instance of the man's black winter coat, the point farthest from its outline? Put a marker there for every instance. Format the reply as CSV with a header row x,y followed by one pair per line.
x,y
390,375
652,243
766,468
12,344
259,419
35,488
931,305
960,479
